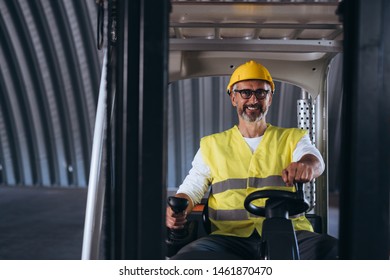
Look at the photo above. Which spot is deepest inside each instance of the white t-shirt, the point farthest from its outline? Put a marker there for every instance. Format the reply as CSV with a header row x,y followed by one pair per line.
x,y
196,183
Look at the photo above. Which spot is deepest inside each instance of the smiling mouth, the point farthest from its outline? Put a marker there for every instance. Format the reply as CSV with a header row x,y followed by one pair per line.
x,y
252,107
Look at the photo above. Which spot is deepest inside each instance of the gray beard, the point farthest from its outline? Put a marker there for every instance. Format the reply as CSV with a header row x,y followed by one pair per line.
x,y
251,119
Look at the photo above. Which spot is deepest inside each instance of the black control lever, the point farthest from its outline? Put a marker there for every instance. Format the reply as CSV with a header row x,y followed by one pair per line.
x,y
177,205
177,238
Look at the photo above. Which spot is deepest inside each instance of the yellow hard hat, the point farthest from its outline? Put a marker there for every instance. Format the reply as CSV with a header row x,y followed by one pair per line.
x,y
251,70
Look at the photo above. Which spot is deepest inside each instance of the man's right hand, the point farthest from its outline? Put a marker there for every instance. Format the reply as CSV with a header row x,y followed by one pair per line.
x,y
175,221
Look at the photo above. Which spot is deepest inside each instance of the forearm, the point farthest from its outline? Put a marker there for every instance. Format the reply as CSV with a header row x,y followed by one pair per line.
x,y
305,147
312,162
196,183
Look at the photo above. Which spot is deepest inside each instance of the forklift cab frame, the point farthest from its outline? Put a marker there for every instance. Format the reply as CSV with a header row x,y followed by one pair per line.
x,y
212,39
295,41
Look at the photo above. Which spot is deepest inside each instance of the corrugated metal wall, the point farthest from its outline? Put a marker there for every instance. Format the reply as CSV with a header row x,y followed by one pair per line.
x,y
49,80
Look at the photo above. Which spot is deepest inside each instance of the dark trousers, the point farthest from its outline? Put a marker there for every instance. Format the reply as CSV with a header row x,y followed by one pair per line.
x,y
312,246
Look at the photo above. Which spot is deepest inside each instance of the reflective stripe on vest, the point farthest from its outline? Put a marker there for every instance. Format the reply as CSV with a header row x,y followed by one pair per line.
x,y
231,184
236,172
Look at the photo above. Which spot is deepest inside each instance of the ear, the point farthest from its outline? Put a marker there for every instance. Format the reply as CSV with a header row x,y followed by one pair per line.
x,y
270,98
233,98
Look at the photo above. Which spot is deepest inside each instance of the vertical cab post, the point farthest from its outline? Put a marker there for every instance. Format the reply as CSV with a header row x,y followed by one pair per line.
x,y
364,196
137,187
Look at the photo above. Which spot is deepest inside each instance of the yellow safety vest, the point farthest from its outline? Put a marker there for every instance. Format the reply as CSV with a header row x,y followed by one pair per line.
x,y
236,173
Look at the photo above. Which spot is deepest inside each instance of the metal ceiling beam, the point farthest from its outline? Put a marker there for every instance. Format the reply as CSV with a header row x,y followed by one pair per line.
x,y
255,25
290,46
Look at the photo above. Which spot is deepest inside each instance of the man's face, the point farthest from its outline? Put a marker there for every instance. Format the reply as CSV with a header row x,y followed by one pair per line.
x,y
254,108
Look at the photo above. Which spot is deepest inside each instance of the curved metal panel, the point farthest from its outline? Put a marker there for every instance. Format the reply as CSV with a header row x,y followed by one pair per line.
x,y
14,76
49,85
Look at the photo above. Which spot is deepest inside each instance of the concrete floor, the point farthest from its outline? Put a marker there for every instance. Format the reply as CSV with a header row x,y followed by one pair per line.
x,y
48,223
41,223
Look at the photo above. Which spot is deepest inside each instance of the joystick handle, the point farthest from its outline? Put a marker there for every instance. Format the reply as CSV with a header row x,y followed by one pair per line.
x,y
177,238
177,204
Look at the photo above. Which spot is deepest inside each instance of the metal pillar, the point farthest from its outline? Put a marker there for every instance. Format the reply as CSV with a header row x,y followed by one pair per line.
x,y
137,187
305,119
364,197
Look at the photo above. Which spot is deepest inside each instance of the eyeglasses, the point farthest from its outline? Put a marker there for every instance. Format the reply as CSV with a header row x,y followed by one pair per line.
x,y
247,93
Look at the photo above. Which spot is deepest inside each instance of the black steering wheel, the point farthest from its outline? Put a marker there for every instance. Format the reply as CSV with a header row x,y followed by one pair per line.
x,y
293,203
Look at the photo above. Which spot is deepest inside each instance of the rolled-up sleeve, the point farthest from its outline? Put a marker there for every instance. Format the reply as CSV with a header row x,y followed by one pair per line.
x,y
305,147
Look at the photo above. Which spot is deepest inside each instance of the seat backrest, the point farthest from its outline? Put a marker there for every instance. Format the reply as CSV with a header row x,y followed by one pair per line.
x,y
205,218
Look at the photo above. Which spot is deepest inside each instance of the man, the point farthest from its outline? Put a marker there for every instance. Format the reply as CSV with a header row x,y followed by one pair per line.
x,y
245,158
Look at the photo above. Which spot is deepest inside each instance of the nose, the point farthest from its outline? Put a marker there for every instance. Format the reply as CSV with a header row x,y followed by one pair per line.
x,y
253,98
